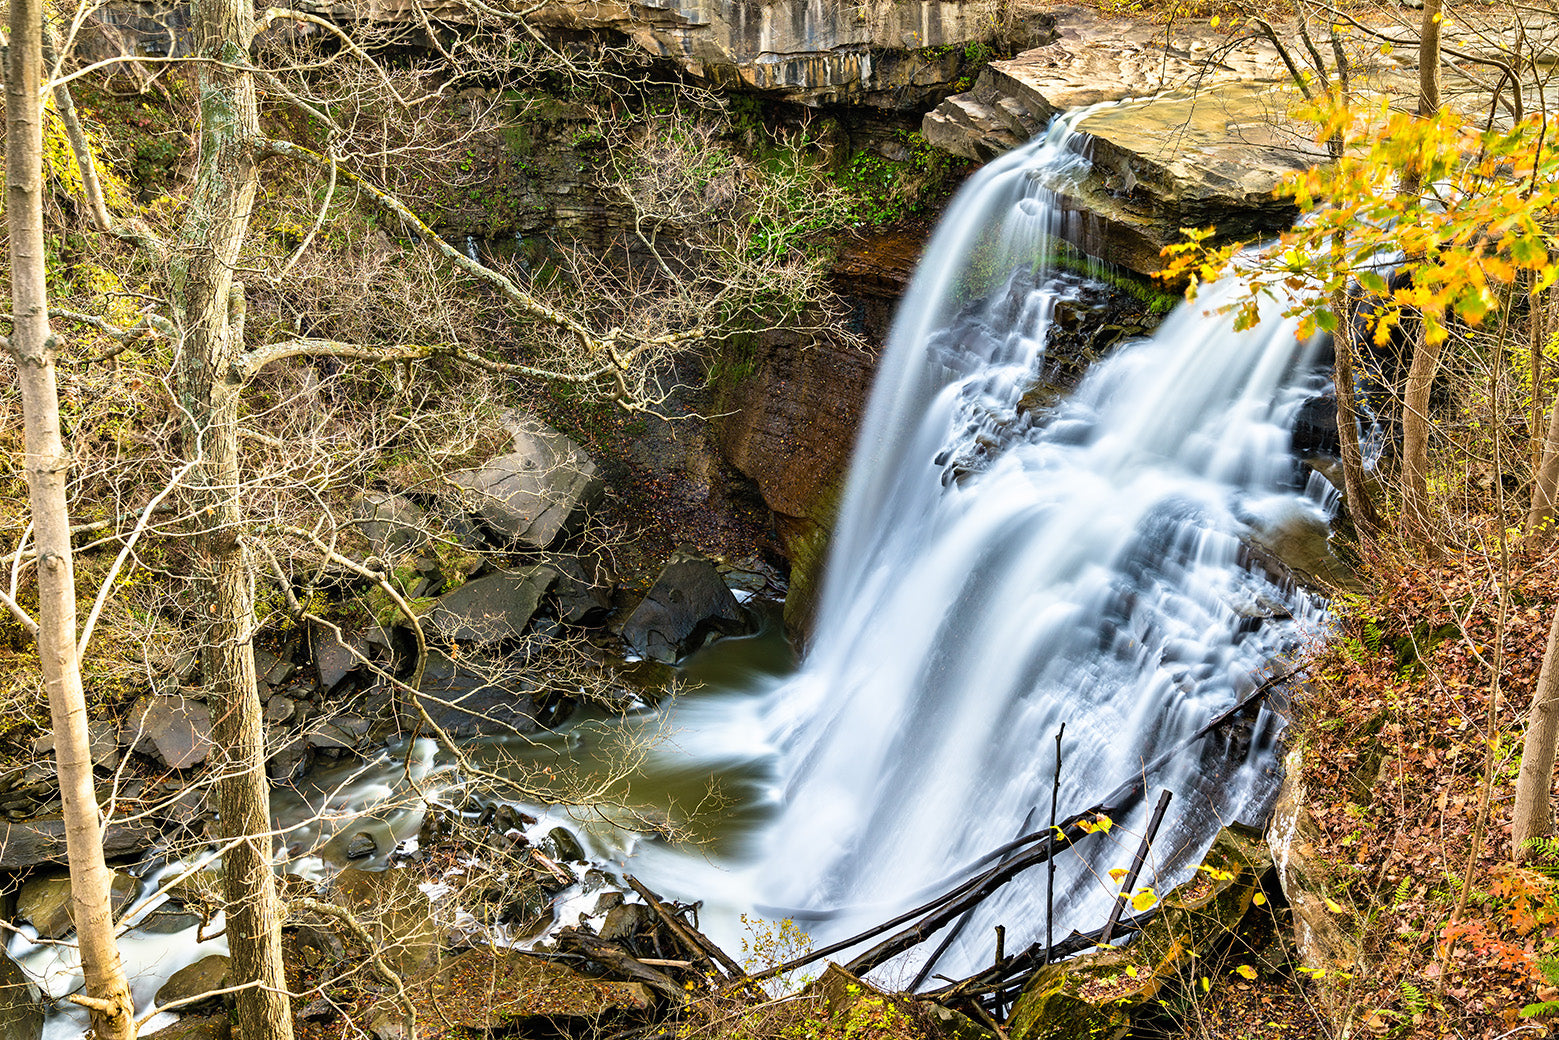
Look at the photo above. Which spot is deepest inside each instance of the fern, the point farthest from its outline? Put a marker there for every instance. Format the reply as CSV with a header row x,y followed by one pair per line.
x,y
1413,999
1549,966
1547,850
1404,889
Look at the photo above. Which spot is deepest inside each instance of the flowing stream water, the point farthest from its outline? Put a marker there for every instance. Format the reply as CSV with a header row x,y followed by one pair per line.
x,y
996,573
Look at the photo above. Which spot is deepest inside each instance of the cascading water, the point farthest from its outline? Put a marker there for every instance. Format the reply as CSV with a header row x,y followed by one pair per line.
x,y
992,578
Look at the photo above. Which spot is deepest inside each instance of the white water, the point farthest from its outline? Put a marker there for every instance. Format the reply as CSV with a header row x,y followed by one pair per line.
x,y
991,578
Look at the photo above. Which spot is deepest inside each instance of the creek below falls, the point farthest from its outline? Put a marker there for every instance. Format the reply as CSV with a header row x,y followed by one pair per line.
x,y
996,573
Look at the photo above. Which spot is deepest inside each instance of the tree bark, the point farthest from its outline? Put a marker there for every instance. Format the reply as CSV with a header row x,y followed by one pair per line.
x,y
1545,489
47,463
210,309
1532,814
1416,527
1429,58
1361,506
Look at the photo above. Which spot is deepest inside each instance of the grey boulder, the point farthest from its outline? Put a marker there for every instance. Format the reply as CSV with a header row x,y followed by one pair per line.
x,y
536,495
688,603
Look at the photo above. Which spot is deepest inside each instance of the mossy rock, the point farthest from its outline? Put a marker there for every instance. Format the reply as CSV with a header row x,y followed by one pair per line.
x,y
1098,995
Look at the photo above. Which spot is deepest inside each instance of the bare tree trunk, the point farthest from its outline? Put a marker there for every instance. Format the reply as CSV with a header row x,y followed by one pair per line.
x,y
1429,58
1416,527
1532,815
32,343
1545,489
80,146
210,309
1361,506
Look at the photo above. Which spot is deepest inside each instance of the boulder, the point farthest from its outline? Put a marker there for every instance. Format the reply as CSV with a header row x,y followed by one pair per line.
x,y
44,901
21,1009
213,1027
688,603
28,843
493,609
522,994
194,981
102,740
335,654
1319,936
472,697
537,495
580,599
391,523
170,728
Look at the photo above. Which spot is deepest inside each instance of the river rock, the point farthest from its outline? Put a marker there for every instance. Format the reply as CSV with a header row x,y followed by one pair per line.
x,y
170,728
521,993
536,495
44,901
102,741
493,609
579,598
28,843
21,1009
688,603
196,980
391,523
475,696
395,912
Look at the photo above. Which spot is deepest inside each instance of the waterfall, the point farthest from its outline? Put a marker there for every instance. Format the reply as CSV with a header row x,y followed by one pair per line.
x,y
992,578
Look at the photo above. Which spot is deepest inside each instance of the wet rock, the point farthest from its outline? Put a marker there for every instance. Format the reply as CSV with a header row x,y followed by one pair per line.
x,y
1315,428
361,846
493,609
536,495
28,843
688,603
624,922
173,729
391,523
44,901
395,912
279,709
475,696
564,847
196,980
522,993
341,733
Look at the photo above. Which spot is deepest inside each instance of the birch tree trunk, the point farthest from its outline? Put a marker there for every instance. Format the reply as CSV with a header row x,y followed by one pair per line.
x,y
209,306
1532,815
46,463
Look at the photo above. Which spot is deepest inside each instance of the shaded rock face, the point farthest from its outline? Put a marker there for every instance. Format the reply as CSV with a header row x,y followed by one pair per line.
x,y
688,603
44,902
193,981
21,1011
173,729
1322,942
537,494
467,701
493,609
42,840
1162,164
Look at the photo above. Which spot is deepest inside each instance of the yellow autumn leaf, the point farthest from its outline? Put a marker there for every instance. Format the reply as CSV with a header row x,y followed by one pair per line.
x,y
1245,971
1332,905
1118,873
1145,899
1214,21
1260,899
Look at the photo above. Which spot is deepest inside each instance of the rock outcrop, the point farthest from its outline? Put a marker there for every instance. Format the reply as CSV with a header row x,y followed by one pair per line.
x,y
688,603
1207,145
537,494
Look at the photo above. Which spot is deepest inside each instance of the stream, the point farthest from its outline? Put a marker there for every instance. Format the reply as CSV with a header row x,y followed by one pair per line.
x,y
996,573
